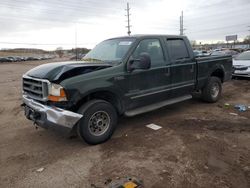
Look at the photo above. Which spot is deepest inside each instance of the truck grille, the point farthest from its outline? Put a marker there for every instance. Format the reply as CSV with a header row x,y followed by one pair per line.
x,y
35,88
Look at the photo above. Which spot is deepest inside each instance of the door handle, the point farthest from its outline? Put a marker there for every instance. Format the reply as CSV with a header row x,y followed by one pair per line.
x,y
192,68
167,72
118,78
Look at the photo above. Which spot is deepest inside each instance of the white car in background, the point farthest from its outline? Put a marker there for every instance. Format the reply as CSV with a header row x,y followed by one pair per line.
x,y
241,65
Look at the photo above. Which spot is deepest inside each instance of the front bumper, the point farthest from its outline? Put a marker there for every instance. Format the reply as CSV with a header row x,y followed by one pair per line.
x,y
50,117
241,73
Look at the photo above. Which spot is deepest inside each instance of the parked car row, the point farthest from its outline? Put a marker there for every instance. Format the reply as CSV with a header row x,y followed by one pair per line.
x,y
77,57
225,52
23,58
218,52
201,53
241,65
241,60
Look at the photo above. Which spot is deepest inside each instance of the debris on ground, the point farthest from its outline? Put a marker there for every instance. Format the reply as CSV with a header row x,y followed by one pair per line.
x,y
198,137
226,105
176,155
233,114
40,169
206,167
241,107
124,183
153,126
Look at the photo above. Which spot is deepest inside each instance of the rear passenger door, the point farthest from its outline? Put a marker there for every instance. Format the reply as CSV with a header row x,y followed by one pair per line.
x,y
182,67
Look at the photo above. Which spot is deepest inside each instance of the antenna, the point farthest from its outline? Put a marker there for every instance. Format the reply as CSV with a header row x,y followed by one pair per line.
x,y
128,19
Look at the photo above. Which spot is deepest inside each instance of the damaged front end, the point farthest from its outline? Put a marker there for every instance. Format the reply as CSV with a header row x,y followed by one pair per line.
x,y
57,72
41,88
50,117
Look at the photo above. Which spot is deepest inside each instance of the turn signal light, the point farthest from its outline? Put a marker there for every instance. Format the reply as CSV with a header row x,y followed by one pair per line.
x,y
57,93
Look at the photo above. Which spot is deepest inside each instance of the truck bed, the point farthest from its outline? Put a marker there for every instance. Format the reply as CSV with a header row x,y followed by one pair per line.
x,y
204,65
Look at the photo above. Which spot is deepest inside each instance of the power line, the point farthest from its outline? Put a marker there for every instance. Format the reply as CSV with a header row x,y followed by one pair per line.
x,y
219,34
41,44
88,11
128,19
56,11
217,28
221,13
75,10
55,4
211,19
217,4
69,8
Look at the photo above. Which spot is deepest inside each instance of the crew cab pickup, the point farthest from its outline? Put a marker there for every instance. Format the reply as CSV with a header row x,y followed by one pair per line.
x,y
120,76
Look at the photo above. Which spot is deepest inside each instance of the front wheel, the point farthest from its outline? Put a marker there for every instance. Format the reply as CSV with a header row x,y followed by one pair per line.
x,y
212,91
98,122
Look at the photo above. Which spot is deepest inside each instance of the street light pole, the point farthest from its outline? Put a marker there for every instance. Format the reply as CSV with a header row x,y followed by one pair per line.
x,y
76,41
249,37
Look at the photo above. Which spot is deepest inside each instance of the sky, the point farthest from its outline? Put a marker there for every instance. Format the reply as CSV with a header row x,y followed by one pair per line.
x,y
49,24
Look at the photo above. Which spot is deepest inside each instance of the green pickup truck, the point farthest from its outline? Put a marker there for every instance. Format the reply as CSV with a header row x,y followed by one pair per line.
x,y
120,76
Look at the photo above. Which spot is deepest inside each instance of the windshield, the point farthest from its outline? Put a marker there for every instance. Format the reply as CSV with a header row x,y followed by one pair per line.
x,y
112,50
243,56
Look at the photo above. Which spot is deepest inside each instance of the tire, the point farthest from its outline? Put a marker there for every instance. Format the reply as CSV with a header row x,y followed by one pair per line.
x,y
212,91
98,122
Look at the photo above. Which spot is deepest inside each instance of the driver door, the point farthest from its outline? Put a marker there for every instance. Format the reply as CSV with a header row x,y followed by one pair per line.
x,y
148,86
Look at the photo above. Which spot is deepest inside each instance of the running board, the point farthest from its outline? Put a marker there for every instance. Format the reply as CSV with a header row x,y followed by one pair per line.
x,y
155,106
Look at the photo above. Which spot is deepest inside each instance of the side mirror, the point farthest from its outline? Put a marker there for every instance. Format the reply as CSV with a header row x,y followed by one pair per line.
x,y
144,62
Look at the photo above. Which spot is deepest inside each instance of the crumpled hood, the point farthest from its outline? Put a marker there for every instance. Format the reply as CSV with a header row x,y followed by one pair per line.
x,y
56,72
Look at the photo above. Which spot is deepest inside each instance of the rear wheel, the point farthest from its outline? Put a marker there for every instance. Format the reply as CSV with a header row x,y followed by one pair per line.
x,y
212,91
98,122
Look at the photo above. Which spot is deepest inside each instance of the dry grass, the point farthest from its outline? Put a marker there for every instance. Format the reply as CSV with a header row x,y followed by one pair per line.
x,y
6,54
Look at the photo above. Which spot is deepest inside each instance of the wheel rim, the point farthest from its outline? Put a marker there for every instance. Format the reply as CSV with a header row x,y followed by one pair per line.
x,y
99,123
215,90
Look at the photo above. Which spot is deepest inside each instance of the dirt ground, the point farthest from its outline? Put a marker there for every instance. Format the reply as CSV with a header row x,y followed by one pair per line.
x,y
199,144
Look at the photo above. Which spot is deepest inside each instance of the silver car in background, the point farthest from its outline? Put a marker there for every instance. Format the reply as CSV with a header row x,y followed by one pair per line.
x,y
241,65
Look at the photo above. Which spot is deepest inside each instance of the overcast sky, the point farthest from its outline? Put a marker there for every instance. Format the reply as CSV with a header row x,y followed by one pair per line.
x,y
49,24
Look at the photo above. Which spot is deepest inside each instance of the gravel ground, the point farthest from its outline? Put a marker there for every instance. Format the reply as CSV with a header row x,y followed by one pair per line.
x,y
199,144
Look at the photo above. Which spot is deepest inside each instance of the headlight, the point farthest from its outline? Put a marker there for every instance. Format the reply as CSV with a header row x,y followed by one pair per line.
x,y
56,93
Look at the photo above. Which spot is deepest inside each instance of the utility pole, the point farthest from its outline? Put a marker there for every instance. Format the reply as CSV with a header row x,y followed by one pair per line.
x,y
128,19
249,37
182,24
76,41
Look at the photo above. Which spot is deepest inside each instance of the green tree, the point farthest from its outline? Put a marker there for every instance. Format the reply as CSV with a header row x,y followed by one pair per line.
x,y
247,39
59,52
193,43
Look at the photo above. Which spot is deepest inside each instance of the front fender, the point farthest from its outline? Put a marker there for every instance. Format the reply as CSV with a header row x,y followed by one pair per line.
x,y
79,92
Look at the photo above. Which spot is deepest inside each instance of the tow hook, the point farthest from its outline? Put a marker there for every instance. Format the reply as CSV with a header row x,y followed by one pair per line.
x,y
35,124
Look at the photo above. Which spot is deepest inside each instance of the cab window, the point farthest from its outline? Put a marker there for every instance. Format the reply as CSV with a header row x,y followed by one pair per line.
x,y
177,49
153,48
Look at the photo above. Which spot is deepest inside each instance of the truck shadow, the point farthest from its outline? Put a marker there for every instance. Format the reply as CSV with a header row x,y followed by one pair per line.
x,y
159,115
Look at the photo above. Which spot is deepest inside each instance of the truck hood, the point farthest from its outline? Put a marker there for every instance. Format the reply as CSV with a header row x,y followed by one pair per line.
x,y
56,72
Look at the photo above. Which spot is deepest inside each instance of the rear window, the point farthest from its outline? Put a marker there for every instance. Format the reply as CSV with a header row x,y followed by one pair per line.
x,y
177,49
